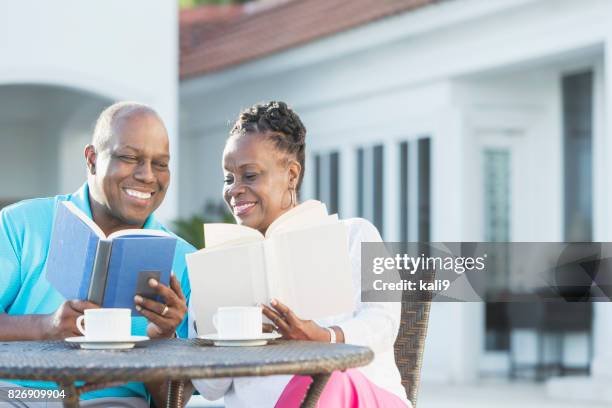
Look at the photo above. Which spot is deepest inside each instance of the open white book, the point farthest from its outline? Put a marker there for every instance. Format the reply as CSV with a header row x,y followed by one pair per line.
x,y
303,261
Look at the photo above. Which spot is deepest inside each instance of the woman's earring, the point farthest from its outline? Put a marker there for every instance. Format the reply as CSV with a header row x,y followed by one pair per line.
x,y
293,197
283,207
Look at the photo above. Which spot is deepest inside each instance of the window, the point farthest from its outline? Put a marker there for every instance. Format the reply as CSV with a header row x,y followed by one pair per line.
x,y
424,188
334,201
378,181
415,190
497,199
577,94
318,177
360,183
370,184
327,180
404,177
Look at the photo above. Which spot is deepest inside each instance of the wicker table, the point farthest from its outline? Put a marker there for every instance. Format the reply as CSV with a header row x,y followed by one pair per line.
x,y
174,360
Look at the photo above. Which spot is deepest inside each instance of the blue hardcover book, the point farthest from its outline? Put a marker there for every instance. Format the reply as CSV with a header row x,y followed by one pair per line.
x,y
85,264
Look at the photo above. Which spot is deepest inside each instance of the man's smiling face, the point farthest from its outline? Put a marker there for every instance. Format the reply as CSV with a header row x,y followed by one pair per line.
x,y
131,170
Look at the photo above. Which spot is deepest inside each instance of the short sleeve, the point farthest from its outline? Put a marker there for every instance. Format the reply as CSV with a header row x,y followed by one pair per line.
x,y
10,262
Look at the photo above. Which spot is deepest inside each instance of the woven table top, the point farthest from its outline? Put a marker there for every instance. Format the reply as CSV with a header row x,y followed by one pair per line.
x,y
173,359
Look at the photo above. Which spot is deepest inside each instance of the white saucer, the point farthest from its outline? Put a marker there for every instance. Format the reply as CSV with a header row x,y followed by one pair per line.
x,y
119,344
240,342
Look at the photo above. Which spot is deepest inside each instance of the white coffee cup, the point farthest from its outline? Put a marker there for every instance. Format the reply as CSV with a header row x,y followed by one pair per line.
x,y
238,322
105,324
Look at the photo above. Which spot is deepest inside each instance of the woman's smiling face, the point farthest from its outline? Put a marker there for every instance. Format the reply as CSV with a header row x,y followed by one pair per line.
x,y
258,179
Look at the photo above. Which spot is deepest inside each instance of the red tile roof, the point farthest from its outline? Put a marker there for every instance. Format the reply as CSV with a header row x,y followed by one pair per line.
x,y
217,37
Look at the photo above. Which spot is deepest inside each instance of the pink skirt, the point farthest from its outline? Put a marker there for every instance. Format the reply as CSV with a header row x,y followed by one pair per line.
x,y
349,389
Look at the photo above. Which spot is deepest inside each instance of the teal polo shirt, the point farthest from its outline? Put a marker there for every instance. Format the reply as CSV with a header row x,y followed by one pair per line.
x,y
25,234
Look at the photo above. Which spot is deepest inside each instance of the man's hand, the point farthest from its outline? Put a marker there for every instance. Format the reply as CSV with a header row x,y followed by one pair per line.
x,y
62,323
163,318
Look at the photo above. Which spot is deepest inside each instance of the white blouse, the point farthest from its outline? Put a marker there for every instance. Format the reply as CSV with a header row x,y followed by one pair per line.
x,y
371,324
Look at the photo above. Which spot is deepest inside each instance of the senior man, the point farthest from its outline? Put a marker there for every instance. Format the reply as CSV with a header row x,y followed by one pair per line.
x,y
127,179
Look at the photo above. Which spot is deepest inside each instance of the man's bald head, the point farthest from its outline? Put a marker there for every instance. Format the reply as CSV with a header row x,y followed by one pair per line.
x,y
108,119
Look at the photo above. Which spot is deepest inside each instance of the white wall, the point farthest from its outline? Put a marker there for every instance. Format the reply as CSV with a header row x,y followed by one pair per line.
x,y
74,136
27,155
115,49
402,78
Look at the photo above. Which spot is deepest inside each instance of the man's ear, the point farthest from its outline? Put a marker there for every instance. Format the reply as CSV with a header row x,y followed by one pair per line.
x,y
90,158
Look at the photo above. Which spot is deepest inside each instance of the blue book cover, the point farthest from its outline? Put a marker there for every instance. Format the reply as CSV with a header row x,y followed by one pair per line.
x,y
71,254
109,271
134,259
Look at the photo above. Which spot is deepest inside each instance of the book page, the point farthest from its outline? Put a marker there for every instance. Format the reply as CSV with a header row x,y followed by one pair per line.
x,y
307,214
83,217
138,232
98,231
311,271
225,277
306,222
217,234
277,281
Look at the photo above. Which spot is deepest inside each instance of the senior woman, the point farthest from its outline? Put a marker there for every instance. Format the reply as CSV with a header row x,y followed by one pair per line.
x,y
263,163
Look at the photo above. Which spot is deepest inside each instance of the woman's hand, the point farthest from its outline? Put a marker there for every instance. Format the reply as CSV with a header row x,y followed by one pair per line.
x,y
290,326
163,318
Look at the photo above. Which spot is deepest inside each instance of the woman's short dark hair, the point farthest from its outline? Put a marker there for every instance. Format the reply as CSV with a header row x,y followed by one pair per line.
x,y
281,124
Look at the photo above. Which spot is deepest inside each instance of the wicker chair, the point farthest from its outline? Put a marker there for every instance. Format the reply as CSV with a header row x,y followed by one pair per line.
x,y
410,344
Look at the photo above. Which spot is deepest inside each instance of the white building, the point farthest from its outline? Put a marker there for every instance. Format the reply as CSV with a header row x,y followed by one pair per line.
x,y
456,120
62,62
459,120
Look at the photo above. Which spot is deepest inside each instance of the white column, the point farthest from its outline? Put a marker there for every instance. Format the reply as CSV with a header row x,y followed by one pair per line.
x,y
348,180
308,184
449,146
164,98
456,330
